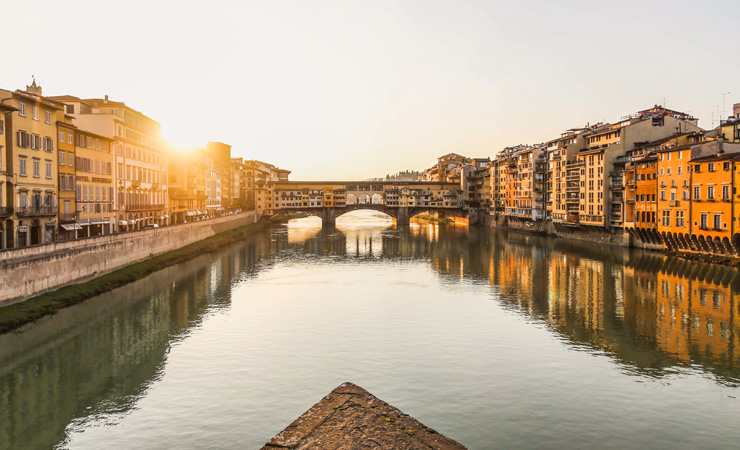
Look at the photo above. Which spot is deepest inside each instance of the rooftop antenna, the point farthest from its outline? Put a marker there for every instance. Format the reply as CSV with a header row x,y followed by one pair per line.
x,y
723,104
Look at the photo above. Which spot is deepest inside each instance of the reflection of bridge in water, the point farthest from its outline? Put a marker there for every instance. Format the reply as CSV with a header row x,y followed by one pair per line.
x,y
331,199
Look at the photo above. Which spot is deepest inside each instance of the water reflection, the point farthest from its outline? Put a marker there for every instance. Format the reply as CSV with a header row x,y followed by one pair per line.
x,y
651,312
92,363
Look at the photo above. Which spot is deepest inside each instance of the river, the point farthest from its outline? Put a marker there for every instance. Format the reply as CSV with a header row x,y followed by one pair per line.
x,y
493,338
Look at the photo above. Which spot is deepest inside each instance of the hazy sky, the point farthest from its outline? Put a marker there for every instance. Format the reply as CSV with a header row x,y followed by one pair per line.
x,y
356,89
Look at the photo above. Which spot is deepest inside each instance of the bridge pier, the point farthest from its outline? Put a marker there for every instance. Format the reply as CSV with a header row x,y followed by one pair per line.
x,y
328,217
402,218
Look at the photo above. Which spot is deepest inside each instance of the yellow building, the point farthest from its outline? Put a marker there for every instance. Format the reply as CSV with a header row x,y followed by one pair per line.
x,y
68,226
95,192
187,185
30,170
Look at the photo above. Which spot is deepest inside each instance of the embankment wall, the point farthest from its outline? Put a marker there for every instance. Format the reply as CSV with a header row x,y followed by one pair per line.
x,y
29,271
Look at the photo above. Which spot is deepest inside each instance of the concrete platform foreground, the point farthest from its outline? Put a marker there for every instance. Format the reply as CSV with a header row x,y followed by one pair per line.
x,y
351,418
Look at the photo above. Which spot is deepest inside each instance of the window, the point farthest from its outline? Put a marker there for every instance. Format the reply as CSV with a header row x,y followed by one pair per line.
x,y
680,154
48,169
685,194
22,109
61,136
668,170
679,169
70,159
697,192
69,138
697,168
662,195
667,218
704,224
22,162
61,157
24,139
35,113
726,166
48,144
710,167
710,192
70,109
717,222
36,168
47,117
679,219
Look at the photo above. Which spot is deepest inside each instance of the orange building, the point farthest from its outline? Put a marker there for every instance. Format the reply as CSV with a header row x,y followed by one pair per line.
x,y
712,202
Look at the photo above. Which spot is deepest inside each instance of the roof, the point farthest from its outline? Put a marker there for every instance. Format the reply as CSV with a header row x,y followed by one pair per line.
x,y
717,157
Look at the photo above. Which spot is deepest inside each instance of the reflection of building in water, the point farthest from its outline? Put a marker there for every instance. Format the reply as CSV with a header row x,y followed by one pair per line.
x,y
697,320
99,357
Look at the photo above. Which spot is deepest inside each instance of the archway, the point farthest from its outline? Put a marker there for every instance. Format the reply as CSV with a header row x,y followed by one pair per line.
x,y
351,199
9,242
363,199
35,232
377,199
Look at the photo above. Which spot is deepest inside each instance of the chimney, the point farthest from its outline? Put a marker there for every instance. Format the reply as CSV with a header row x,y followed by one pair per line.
x,y
106,98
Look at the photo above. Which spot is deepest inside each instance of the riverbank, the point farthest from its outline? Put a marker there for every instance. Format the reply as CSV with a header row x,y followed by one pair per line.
x,y
18,314
547,229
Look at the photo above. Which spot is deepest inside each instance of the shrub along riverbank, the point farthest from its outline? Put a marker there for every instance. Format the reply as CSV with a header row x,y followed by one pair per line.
x,y
17,314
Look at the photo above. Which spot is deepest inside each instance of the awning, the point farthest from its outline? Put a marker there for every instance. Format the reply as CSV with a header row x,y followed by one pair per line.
x,y
99,222
122,222
71,226
190,213
85,224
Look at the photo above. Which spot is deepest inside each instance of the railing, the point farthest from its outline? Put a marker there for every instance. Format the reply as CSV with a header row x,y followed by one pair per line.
x,y
6,211
621,159
29,211
675,203
135,183
143,207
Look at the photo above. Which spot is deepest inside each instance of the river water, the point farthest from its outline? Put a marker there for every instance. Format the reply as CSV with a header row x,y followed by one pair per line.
x,y
495,339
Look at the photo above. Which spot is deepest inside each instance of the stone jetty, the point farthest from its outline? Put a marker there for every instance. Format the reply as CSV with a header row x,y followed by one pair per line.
x,y
352,418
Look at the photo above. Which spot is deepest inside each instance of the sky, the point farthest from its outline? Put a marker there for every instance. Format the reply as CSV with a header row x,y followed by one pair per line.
x,y
350,89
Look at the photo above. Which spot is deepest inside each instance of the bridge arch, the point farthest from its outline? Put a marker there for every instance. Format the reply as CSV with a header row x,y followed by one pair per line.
x,y
376,199
351,199
363,199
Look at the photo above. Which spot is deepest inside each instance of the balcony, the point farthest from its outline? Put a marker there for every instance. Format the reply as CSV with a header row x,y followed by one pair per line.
x,y
135,183
6,211
623,159
156,186
143,207
31,211
674,203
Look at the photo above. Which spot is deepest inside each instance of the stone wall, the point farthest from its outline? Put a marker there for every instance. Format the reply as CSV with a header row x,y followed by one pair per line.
x,y
590,234
29,271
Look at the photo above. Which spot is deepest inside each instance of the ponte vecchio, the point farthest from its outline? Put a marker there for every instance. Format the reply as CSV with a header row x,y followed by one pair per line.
x,y
330,199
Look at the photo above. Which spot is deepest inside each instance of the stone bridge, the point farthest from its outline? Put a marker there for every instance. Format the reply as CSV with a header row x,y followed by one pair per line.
x,y
402,214
331,199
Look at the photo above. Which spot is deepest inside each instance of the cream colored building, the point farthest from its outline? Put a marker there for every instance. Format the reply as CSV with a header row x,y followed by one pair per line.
x,y
141,158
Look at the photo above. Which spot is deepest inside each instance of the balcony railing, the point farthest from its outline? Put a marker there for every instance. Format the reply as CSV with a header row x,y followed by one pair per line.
x,y
30,211
6,211
135,183
675,203
143,207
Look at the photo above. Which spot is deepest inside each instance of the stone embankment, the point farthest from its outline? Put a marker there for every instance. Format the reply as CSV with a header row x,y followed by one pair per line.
x,y
352,418
30,271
